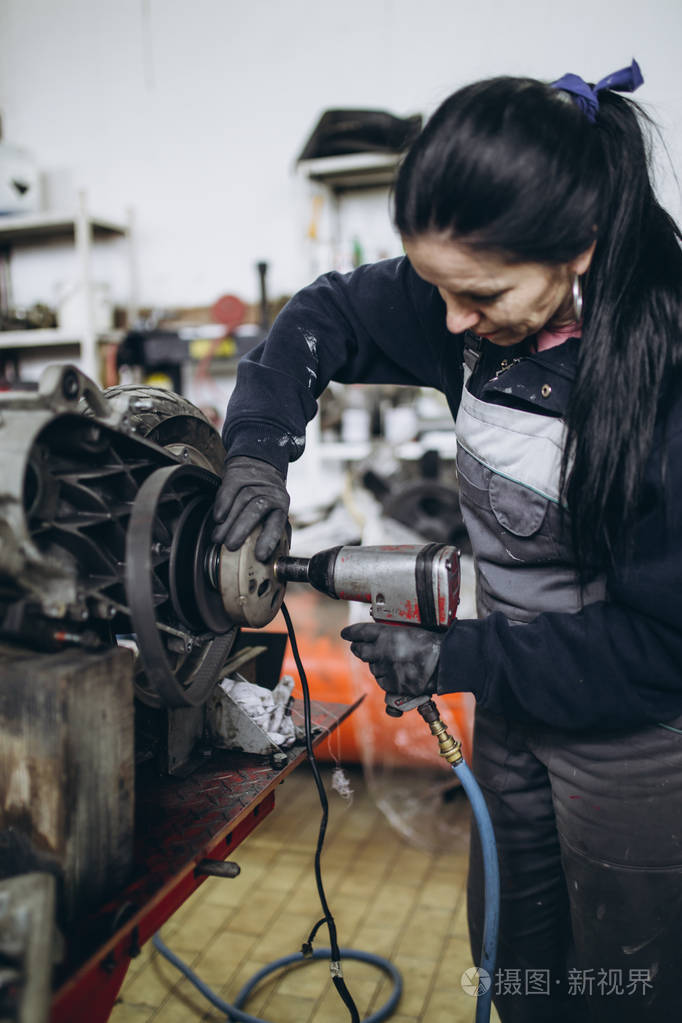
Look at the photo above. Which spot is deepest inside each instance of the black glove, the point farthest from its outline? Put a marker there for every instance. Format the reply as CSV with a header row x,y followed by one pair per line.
x,y
402,658
252,491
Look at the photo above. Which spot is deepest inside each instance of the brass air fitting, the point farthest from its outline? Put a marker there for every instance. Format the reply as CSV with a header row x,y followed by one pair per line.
x,y
448,747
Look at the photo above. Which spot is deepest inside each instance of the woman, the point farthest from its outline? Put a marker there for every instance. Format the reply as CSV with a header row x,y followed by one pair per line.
x,y
541,291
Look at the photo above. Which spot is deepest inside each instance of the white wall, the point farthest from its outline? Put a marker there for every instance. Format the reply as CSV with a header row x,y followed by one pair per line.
x,y
194,113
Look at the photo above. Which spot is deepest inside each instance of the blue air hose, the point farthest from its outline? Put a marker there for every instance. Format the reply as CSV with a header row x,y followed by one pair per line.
x,y
488,952
234,1012
491,874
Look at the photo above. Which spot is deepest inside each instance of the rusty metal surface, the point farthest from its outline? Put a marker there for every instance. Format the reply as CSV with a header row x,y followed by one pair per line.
x,y
27,937
180,822
178,819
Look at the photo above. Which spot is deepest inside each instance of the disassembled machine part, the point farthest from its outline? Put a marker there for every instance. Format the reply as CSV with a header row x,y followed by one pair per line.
x,y
166,589
251,593
105,529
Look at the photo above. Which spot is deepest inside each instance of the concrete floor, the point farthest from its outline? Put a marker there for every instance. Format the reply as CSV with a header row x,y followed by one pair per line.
x,y
387,897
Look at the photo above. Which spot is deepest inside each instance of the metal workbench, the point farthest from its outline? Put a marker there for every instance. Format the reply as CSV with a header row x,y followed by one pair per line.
x,y
180,822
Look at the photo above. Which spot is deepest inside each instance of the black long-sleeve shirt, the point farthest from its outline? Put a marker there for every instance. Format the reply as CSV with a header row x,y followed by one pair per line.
x,y
615,663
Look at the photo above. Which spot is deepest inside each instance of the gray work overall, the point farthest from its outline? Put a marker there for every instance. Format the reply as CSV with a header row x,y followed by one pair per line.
x,y
588,823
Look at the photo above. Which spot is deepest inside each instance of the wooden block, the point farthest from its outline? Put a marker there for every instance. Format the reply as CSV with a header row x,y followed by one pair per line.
x,y
67,783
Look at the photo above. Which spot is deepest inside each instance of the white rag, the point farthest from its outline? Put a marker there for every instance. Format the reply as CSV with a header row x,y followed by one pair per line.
x,y
269,708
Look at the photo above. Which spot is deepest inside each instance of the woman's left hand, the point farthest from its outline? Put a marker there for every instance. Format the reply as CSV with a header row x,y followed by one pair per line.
x,y
403,659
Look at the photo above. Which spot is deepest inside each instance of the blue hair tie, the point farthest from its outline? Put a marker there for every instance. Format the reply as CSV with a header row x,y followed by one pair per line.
x,y
586,96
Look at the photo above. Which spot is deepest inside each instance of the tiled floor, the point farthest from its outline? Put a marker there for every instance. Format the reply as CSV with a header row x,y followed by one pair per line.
x,y
386,896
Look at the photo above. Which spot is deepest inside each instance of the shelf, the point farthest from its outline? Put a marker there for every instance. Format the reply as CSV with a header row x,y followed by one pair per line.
x,y
48,338
356,170
80,228
36,227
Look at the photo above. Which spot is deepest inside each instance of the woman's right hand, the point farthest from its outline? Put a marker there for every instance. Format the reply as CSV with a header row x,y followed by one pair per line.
x,y
252,492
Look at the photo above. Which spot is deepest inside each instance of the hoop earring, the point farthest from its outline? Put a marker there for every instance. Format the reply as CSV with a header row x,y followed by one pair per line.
x,y
577,298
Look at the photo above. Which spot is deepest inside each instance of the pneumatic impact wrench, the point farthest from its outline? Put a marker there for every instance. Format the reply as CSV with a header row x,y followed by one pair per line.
x,y
404,585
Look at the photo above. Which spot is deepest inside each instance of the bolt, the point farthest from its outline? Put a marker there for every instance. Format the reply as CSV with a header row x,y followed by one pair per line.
x,y
217,868
185,453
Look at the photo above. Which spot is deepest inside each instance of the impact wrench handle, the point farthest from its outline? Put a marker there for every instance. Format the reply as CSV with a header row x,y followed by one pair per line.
x,y
396,705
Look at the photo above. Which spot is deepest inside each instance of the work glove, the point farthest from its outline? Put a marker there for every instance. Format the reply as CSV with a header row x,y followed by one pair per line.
x,y
252,492
402,658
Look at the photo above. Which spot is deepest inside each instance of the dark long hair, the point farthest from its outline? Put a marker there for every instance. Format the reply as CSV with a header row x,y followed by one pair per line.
x,y
513,166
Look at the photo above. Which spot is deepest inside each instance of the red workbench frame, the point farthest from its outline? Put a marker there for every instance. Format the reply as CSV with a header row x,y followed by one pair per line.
x,y
179,823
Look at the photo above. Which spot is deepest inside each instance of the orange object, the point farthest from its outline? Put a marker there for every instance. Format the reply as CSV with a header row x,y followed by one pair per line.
x,y
334,674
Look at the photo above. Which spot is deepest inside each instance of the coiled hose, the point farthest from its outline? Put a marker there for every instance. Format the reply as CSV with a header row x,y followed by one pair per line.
x,y
234,1011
